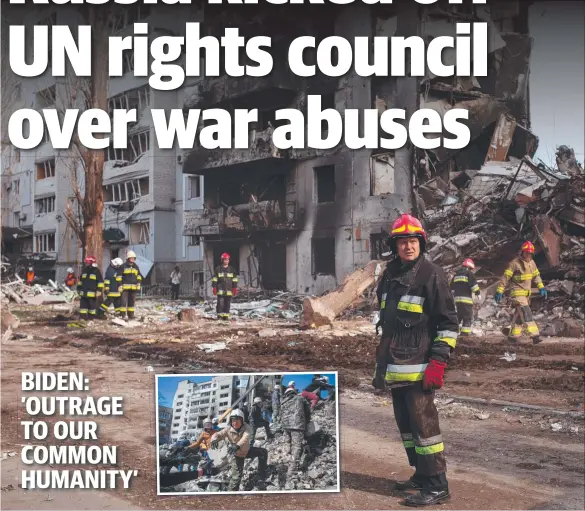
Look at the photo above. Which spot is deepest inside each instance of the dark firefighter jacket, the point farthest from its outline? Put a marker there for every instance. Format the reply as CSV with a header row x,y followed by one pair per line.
x,y
294,412
131,276
113,282
317,386
90,282
224,280
463,284
256,418
419,321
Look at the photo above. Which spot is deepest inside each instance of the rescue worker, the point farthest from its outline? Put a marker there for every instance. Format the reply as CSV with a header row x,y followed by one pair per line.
x,y
294,416
131,281
204,441
419,332
179,446
238,435
30,276
291,385
312,391
90,285
113,286
462,286
257,420
276,405
520,274
70,280
225,285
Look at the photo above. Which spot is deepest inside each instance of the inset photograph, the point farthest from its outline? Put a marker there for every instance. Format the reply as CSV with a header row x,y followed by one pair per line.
x,y
247,433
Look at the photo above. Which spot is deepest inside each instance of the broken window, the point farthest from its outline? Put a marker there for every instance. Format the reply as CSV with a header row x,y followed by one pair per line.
x,y
45,242
45,205
378,245
46,98
139,143
325,183
323,250
140,233
194,241
46,169
197,279
128,192
127,61
194,187
382,174
138,99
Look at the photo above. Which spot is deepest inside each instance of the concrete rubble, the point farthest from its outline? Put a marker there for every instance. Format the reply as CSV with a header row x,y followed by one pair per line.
x,y
318,468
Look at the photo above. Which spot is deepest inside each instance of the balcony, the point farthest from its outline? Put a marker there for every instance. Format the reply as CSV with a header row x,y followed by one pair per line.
x,y
254,216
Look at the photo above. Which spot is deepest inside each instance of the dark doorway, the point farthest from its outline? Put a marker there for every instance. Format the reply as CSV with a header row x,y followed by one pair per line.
x,y
232,250
273,265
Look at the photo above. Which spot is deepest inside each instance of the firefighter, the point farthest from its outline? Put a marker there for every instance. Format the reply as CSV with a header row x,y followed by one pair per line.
x,y
463,285
90,285
131,280
520,274
113,286
70,280
419,332
225,285
30,276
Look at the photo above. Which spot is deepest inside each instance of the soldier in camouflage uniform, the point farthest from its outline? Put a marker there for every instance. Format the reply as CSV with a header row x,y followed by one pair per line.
x,y
276,405
295,414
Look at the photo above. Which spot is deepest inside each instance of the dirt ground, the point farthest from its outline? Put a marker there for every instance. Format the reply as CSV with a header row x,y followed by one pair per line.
x,y
498,458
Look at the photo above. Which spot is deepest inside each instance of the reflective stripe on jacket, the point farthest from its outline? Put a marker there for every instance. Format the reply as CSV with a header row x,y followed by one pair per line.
x,y
463,285
113,282
131,277
224,280
90,282
419,320
519,276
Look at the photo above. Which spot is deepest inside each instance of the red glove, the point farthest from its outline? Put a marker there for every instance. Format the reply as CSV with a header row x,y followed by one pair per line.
x,y
214,291
234,291
434,373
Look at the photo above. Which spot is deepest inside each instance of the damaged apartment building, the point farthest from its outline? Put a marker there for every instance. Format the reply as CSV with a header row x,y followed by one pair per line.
x,y
143,188
302,220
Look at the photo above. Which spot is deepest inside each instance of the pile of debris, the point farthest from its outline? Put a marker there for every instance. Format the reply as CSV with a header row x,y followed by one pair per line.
x,y
16,290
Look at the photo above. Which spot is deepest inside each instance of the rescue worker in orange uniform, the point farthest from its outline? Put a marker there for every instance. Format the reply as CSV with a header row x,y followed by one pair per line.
x,y
204,441
520,275
225,285
462,286
419,332
30,276
70,279
90,285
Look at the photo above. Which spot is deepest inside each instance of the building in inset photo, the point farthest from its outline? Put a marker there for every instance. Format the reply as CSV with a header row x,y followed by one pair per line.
x,y
244,433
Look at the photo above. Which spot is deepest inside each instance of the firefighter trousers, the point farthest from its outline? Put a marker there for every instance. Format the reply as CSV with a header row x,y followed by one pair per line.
x,y
523,319
418,422
223,306
116,301
465,316
128,302
88,307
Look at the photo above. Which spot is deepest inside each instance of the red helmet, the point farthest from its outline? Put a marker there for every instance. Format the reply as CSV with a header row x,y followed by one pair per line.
x,y
469,263
407,226
225,255
527,247
89,260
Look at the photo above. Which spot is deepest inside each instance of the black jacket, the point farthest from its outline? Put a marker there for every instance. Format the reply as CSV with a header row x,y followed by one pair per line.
x,y
90,282
318,386
131,276
256,418
113,282
419,321
224,280
463,284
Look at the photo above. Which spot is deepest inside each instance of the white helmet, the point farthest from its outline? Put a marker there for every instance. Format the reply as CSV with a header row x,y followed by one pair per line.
x,y
130,254
277,386
117,262
69,270
325,379
257,400
207,423
237,413
291,383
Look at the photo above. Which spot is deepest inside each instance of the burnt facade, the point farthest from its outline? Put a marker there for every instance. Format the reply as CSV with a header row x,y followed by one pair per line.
x,y
302,220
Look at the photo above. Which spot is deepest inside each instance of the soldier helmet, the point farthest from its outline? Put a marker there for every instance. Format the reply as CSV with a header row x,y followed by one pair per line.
x,y
257,400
